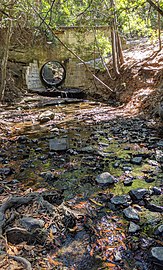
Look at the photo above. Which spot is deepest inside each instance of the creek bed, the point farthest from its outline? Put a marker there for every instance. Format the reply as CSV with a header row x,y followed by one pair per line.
x,y
67,153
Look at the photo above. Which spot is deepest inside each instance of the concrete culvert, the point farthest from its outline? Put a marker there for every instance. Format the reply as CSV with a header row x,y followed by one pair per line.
x,y
53,74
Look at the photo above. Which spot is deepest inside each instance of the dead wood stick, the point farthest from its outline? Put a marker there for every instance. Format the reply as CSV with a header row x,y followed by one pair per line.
x,y
22,260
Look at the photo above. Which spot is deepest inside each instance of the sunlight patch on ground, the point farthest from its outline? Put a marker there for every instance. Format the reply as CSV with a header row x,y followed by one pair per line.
x,y
138,55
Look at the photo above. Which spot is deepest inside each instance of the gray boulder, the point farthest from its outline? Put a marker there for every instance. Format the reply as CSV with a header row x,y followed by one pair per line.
x,y
138,193
59,144
131,214
105,178
121,200
157,255
46,116
133,228
30,223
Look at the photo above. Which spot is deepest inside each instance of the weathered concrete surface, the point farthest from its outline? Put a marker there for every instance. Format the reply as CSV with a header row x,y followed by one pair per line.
x,y
33,52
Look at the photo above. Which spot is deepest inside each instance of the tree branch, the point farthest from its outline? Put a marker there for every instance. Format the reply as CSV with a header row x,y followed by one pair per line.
x,y
157,8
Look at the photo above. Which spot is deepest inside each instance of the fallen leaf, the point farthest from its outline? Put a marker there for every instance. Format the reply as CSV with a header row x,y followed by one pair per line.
x,y
110,264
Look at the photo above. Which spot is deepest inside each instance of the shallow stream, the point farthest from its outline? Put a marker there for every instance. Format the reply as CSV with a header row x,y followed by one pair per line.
x,y
92,139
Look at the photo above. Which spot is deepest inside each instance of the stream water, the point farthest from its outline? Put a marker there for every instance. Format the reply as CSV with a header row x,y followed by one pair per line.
x,y
89,144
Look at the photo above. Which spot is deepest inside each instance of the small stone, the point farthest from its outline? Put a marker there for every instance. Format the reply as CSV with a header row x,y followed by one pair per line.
x,y
46,116
105,179
136,160
160,143
154,208
159,230
87,149
128,182
138,193
131,214
127,169
121,200
157,255
1,190
6,171
156,191
133,228
116,165
22,139
58,144
48,176
30,223
149,180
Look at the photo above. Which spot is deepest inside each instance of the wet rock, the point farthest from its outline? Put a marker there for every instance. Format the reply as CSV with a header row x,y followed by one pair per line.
x,y
149,180
15,181
46,116
1,190
87,149
18,235
133,228
38,150
54,197
128,182
105,179
160,143
138,194
136,160
48,176
58,144
31,224
157,255
6,171
156,191
72,152
159,230
127,169
154,208
131,214
116,165
22,139
121,200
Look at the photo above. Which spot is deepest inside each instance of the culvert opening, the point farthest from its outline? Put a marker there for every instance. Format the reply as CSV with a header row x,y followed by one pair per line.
x,y
53,74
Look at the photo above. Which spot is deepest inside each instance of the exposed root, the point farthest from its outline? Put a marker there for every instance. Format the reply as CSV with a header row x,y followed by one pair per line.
x,y
12,202
22,260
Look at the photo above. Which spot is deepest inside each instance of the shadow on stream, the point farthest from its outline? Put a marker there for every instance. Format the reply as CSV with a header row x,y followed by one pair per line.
x,y
97,175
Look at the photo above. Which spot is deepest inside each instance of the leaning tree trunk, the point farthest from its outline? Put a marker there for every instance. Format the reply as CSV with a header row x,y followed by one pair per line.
x,y
5,60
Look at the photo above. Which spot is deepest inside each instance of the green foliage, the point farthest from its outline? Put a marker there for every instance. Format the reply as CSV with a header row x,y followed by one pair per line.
x,y
134,18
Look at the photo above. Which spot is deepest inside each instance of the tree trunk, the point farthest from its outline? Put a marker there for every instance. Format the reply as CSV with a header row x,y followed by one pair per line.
x,y
114,52
115,41
159,30
5,60
119,48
